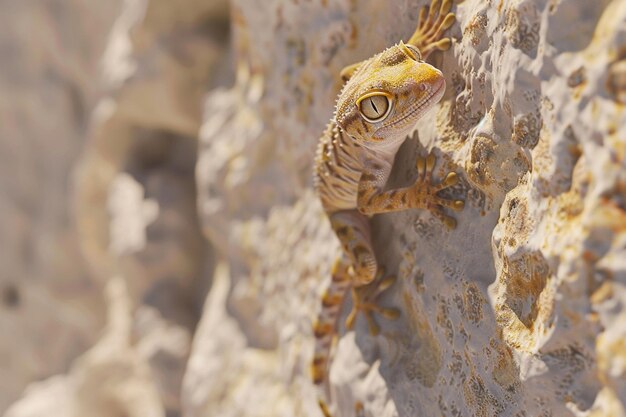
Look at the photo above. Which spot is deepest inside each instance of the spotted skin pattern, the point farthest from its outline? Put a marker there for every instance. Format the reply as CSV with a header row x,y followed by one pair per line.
x,y
381,101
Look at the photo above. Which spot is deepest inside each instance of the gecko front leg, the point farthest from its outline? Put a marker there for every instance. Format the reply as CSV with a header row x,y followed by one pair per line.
x,y
422,194
433,22
367,278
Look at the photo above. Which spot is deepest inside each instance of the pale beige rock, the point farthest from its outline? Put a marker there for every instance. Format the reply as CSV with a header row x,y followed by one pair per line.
x,y
517,311
110,380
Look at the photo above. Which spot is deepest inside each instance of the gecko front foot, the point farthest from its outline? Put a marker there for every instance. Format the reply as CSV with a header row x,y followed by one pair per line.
x,y
424,193
433,22
364,301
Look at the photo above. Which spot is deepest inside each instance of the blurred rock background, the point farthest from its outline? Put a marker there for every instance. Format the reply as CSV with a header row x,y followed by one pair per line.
x,y
101,103
162,253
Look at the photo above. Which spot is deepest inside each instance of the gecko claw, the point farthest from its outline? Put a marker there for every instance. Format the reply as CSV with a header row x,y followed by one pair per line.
x,y
458,205
451,179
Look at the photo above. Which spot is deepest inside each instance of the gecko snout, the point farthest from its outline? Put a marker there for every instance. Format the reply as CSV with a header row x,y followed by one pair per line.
x,y
433,84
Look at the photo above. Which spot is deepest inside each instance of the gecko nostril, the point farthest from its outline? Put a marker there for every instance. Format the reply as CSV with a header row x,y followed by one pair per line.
x,y
423,87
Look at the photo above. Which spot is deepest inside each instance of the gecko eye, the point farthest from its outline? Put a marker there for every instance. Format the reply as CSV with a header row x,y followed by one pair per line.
x,y
414,52
375,106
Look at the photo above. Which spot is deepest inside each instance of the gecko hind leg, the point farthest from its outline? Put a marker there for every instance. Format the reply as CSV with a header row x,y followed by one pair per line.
x,y
433,22
364,300
367,278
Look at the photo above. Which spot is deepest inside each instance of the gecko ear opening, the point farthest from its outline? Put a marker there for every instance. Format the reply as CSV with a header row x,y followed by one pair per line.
x,y
375,106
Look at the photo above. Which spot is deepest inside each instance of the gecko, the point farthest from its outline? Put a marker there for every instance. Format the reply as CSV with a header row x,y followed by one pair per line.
x,y
381,101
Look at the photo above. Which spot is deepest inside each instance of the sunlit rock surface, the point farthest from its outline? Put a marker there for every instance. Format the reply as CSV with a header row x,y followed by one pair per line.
x,y
519,311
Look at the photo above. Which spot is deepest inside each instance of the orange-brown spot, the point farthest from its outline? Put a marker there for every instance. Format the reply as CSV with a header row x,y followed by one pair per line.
x,y
318,369
331,300
342,230
340,277
322,329
318,361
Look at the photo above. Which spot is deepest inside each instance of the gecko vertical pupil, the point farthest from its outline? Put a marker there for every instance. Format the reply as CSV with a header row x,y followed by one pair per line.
x,y
374,108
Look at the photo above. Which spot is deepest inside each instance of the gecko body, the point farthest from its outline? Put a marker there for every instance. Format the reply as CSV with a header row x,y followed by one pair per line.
x,y
379,105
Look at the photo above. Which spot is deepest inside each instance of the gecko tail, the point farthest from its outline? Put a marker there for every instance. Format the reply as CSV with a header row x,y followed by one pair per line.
x,y
324,408
325,331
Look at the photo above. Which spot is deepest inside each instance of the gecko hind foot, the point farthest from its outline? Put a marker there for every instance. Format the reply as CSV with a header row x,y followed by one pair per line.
x,y
364,301
433,21
426,192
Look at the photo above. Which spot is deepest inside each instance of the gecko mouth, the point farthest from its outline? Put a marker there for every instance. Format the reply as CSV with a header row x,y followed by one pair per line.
x,y
417,108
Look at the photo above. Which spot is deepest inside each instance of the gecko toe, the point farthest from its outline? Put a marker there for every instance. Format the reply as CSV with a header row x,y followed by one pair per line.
x,y
364,299
390,313
431,159
443,44
385,283
446,6
458,205
451,179
420,164
448,21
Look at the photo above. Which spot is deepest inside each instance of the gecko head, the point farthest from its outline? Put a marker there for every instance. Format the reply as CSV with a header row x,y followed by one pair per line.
x,y
386,96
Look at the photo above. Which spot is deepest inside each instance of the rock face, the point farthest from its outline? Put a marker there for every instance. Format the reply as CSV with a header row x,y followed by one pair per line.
x,y
519,311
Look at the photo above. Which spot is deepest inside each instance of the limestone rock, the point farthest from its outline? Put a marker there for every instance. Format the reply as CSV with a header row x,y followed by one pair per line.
x,y
519,311
516,312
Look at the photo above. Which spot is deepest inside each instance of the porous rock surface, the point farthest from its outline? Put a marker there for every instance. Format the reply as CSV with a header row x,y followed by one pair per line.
x,y
519,311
